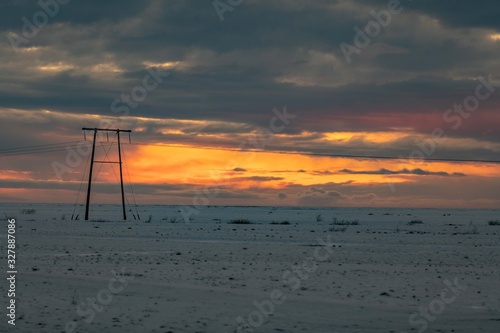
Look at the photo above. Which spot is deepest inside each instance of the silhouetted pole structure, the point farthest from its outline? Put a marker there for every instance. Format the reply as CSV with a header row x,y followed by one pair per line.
x,y
118,131
90,177
121,176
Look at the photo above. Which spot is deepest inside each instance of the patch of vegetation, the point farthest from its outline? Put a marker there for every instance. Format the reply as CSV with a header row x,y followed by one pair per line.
x,y
319,218
171,220
472,231
27,211
74,298
281,223
414,222
494,222
240,221
344,222
100,220
338,229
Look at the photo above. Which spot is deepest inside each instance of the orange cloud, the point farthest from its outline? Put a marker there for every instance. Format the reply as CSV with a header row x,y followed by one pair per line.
x,y
188,165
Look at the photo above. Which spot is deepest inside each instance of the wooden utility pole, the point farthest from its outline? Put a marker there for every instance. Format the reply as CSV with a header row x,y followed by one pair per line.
x,y
90,177
121,176
118,131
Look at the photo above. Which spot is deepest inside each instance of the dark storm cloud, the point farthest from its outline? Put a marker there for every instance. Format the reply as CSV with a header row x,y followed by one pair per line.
x,y
463,13
75,11
265,54
457,13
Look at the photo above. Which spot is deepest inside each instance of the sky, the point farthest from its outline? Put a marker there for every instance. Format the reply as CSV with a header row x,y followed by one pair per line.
x,y
203,83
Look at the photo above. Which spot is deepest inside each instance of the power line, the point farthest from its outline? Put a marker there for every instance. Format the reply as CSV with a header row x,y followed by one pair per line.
x,y
41,149
36,149
323,154
57,147
38,146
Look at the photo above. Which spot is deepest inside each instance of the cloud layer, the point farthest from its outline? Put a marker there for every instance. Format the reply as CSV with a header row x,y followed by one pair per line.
x,y
225,78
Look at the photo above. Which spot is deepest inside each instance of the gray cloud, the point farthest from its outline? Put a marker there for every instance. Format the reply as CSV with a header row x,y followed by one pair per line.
x,y
417,171
260,178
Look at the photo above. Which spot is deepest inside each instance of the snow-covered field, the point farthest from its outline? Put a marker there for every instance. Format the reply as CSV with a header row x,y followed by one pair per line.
x,y
289,270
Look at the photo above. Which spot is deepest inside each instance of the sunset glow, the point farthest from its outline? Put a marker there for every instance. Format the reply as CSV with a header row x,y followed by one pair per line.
x,y
289,117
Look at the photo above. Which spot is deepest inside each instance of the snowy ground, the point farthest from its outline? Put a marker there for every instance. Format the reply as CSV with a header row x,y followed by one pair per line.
x,y
381,275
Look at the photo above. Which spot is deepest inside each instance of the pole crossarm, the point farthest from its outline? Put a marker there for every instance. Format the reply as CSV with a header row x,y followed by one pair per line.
x,y
105,130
